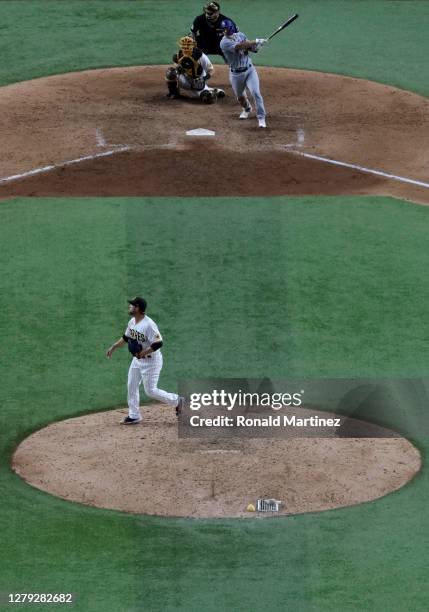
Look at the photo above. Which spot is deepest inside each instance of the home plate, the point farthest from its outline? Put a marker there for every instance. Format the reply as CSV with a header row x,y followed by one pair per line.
x,y
200,132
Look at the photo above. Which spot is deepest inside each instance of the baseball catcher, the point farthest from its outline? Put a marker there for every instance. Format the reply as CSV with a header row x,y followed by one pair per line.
x,y
190,73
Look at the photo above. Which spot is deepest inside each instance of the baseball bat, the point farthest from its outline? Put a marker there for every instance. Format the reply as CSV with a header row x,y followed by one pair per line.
x,y
284,25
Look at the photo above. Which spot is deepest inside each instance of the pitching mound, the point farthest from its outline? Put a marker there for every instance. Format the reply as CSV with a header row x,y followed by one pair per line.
x,y
147,469
113,132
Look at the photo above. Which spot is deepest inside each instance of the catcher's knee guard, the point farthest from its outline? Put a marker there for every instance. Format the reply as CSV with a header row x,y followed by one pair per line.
x,y
208,96
171,77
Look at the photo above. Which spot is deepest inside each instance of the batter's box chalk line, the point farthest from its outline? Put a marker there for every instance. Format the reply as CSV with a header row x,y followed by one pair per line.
x,y
100,140
300,138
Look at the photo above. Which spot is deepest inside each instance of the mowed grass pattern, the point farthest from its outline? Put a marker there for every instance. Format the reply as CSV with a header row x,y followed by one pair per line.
x,y
319,297
284,287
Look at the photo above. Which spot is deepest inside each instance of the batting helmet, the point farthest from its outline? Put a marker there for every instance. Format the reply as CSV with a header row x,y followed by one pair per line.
x,y
229,26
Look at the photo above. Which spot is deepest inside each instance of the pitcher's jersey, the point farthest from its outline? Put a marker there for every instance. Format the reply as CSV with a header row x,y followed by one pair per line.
x,y
236,59
146,332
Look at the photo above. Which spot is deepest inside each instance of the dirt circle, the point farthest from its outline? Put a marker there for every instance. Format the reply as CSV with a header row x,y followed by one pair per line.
x,y
113,132
148,469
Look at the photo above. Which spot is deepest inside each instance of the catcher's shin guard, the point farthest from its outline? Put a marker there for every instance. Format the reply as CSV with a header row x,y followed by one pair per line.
x,y
208,96
171,80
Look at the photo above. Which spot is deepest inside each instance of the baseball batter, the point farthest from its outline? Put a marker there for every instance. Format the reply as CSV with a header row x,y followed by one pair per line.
x,y
190,73
243,75
144,342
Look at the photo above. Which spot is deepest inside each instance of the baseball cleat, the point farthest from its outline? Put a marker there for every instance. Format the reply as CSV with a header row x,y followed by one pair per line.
x,y
261,123
245,112
129,421
179,406
220,93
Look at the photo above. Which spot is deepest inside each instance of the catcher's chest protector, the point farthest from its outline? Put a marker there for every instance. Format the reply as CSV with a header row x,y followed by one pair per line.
x,y
190,66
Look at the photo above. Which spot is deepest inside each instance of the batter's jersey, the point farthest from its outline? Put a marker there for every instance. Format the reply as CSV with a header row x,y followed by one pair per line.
x,y
146,332
235,59
208,35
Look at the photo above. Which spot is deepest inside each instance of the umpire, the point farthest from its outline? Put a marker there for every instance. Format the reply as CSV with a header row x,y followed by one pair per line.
x,y
206,29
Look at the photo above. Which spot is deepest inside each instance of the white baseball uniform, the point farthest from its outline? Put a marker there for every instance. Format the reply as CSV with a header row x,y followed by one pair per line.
x,y
146,370
194,87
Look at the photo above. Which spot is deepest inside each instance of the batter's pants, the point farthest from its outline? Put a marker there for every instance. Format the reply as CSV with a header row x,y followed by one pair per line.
x,y
146,371
250,79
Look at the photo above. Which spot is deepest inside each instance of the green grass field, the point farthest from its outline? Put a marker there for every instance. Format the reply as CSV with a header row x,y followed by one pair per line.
x,y
340,285
380,40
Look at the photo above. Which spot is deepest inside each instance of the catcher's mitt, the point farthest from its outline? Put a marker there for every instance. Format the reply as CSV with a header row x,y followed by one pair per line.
x,y
189,65
134,346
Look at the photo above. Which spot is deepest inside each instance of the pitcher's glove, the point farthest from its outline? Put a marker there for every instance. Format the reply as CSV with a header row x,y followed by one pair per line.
x,y
134,347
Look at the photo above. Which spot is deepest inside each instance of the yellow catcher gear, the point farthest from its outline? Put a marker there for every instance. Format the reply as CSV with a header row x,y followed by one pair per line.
x,y
186,44
187,58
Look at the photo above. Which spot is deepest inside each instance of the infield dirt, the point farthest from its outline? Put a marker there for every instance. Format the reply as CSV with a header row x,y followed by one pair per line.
x,y
57,119
148,469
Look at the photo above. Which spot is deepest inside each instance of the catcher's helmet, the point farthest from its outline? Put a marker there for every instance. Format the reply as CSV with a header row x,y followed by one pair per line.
x,y
229,26
186,44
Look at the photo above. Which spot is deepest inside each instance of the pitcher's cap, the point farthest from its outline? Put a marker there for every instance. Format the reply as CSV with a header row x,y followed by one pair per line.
x,y
140,302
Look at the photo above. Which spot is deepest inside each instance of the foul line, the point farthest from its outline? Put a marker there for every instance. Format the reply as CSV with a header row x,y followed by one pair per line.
x,y
15,177
174,145
401,179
